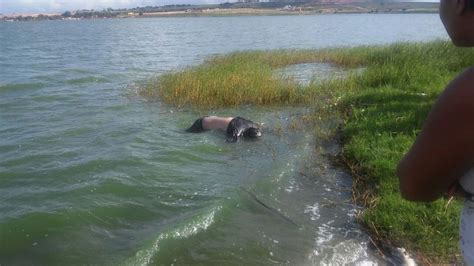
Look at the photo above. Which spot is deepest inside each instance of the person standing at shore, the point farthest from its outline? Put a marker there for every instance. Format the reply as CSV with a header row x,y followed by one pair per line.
x,y
441,161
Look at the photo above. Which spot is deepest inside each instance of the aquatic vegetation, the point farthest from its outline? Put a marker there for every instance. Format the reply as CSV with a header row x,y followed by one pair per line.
x,y
383,109
241,78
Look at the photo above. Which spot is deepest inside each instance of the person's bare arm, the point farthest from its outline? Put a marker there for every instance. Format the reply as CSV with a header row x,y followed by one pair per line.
x,y
444,150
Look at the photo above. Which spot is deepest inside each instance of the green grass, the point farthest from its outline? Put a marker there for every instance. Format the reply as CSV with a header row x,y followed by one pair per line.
x,y
383,110
384,115
239,79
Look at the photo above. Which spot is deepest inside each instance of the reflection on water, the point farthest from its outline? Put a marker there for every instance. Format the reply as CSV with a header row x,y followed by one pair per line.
x,y
305,74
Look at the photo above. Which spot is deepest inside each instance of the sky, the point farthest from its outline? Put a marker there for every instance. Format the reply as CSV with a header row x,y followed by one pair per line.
x,y
48,6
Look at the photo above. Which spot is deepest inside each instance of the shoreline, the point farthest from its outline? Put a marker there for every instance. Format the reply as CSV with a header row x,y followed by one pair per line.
x,y
381,109
172,14
222,10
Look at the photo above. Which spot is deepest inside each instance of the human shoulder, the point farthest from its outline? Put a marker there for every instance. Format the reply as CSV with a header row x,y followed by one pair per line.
x,y
463,84
458,97
452,117
444,150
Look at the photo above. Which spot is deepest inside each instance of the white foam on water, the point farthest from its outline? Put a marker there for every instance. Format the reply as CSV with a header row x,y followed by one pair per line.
x,y
407,259
365,263
144,257
324,234
352,213
347,252
313,210
290,187
334,245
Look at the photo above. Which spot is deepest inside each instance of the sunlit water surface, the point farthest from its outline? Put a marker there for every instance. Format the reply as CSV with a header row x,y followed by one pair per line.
x,y
90,173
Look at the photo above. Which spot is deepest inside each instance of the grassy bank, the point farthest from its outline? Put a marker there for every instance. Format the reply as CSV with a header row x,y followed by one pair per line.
x,y
383,109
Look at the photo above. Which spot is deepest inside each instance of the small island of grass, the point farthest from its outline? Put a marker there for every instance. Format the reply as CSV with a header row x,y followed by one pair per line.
x,y
383,109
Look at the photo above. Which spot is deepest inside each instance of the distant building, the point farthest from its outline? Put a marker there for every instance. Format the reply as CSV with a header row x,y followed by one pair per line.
x,y
321,1
340,1
291,1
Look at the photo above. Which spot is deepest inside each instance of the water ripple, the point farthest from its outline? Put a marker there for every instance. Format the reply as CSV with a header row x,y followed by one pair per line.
x,y
21,86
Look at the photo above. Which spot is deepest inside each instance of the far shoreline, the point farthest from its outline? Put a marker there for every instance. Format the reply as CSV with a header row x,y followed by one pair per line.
x,y
236,9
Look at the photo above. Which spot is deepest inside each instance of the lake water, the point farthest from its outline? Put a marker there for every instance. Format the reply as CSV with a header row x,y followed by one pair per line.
x,y
90,173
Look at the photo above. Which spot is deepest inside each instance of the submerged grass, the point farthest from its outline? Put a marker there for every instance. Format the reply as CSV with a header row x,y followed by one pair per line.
x,y
383,108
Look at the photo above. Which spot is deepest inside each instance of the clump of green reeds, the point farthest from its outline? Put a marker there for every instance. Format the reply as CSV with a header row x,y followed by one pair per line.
x,y
225,83
241,78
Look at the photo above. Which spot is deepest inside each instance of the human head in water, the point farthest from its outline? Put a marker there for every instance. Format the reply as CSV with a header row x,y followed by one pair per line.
x,y
458,19
252,132
234,127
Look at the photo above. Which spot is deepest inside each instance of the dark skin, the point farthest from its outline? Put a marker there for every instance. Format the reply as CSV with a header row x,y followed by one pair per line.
x,y
444,150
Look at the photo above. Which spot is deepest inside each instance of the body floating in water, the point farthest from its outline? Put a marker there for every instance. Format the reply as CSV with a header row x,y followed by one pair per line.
x,y
235,127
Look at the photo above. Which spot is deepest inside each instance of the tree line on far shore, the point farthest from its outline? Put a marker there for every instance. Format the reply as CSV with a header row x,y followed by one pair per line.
x,y
370,7
106,13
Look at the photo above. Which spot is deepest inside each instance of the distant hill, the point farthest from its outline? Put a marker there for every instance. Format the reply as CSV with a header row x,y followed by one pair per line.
x,y
357,1
244,7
